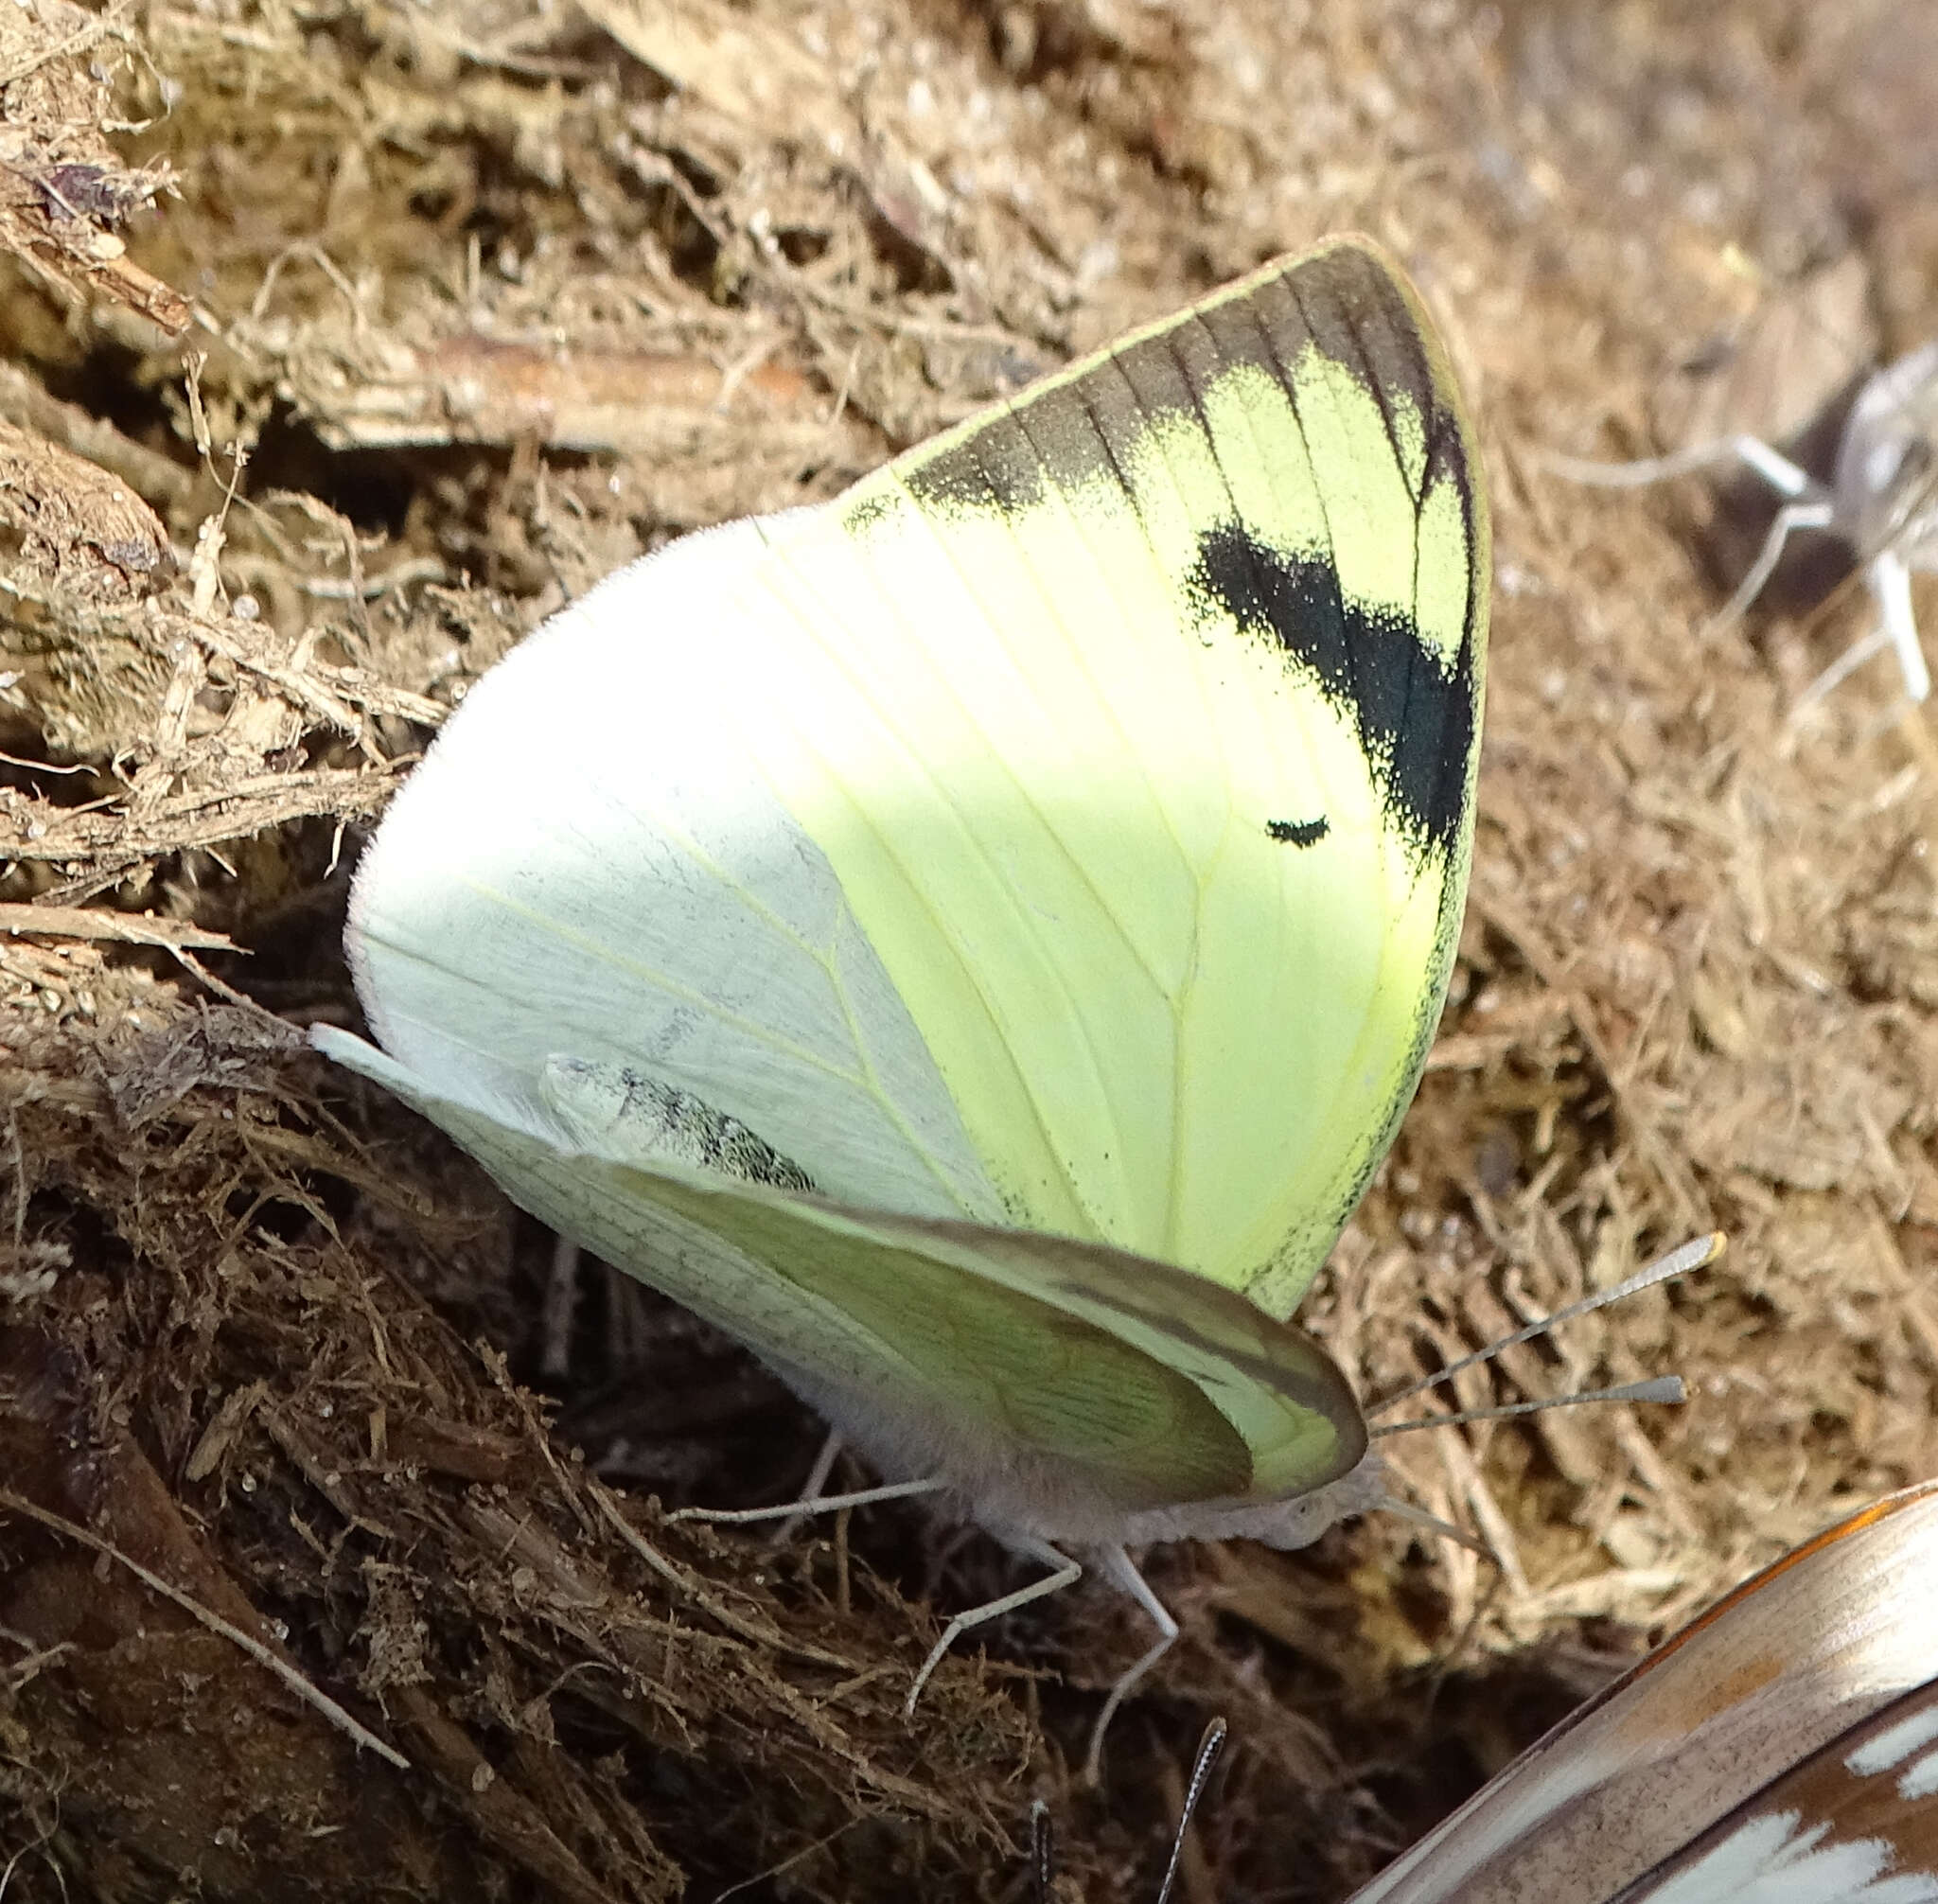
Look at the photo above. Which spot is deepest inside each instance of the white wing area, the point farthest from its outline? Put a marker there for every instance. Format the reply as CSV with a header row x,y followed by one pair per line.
x,y
942,864
589,860
1776,1859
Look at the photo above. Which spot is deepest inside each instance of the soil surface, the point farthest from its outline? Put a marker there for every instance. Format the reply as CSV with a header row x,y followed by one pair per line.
x,y
346,339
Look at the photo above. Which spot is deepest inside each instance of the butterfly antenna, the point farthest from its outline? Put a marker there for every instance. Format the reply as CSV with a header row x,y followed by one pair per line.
x,y
1209,1749
1696,1254
1042,1851
1659,1388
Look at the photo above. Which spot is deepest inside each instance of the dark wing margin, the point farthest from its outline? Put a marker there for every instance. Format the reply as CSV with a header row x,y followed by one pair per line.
x,y
1417,710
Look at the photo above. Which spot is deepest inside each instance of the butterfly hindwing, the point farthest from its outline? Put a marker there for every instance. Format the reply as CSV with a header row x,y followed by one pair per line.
x,y
1104,1378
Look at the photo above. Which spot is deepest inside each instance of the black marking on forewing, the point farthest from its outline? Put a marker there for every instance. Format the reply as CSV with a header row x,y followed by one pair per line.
x,y
1415,722
1414,718
981,470
1300,832
1353,310
1377,337
1341,300
868,510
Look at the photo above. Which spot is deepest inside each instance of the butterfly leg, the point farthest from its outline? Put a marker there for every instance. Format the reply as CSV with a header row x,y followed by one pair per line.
x,y
1775,468
1117,1565
808,1501
1819,512
1890,577
1808,504
821,1504
556,1318
1841,669
1066,1573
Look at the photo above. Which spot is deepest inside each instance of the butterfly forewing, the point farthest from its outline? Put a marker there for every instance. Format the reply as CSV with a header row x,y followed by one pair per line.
x,y
591,862
1144,713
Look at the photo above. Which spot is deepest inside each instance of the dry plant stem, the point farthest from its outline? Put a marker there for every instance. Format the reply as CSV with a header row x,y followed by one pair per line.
x,y
116,845
311,1696
683,1583
126,928
159,479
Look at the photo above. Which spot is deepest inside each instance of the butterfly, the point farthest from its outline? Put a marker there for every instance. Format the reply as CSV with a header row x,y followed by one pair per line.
x,y
973,940
1781,1749
1880,500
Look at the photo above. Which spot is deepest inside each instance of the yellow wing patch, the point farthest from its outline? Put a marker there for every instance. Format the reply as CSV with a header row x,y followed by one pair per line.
x,y
1145,717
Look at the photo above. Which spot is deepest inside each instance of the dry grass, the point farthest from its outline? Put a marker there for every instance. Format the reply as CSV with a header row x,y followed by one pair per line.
x,y
345,343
